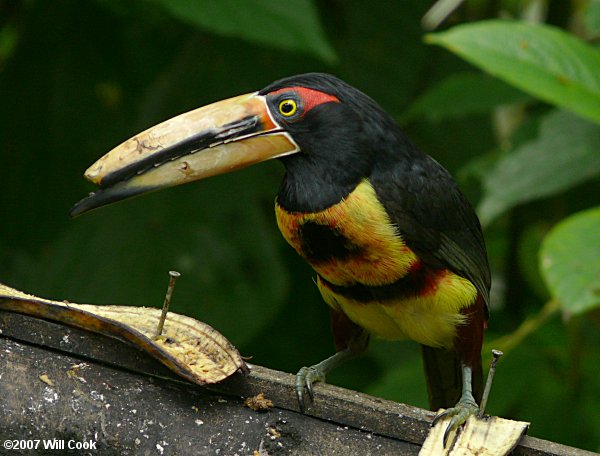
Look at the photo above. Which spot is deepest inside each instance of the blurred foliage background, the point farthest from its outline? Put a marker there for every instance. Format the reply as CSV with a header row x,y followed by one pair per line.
x,y
511,107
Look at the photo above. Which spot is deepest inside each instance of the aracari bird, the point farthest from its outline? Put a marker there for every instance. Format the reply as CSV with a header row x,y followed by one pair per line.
x,y
397,249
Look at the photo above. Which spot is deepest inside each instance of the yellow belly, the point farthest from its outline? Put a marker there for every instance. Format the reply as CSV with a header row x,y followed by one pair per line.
x,y
429,319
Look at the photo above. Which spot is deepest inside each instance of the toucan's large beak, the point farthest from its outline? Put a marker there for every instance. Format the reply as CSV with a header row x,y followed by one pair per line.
x,y
211,140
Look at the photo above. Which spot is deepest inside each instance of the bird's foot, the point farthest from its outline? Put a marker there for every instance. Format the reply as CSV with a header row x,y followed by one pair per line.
x,y
304,384
459,413
309,375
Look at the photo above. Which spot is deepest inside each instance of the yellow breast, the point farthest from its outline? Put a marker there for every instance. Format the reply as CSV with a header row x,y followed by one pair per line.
x,y
376,255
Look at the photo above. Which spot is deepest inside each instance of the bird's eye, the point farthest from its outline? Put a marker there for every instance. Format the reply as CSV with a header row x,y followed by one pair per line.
x,y
288,107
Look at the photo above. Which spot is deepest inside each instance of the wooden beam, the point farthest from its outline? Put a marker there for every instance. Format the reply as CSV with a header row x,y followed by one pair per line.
x,y
391,426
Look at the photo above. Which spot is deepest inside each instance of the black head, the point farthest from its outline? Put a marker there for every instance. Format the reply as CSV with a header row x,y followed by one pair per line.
x,y
341,133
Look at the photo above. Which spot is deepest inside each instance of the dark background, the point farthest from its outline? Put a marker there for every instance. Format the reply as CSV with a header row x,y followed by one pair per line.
x,y
79,77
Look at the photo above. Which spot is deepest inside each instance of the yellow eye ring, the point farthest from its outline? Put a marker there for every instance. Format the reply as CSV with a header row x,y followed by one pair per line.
x,y
288,107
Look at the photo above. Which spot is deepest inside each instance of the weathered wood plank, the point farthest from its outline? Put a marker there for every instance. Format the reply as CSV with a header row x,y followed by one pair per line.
x,y
366,415
125,413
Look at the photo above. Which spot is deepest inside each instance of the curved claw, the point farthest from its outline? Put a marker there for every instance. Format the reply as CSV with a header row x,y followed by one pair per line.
x,y
304,381
459,413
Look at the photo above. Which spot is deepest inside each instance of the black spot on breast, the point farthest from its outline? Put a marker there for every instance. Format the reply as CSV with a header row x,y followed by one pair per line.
x,y
322,243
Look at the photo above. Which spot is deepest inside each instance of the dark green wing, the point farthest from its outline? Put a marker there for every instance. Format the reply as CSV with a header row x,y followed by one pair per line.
x,y
434,218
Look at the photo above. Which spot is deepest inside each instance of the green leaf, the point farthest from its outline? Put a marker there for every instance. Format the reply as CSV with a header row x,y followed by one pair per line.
x,y
565,153
463,94
570,261
541,60
591,17
528,250
291,25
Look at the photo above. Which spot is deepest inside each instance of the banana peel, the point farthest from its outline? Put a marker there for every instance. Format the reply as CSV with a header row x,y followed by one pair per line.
x,y
190,348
